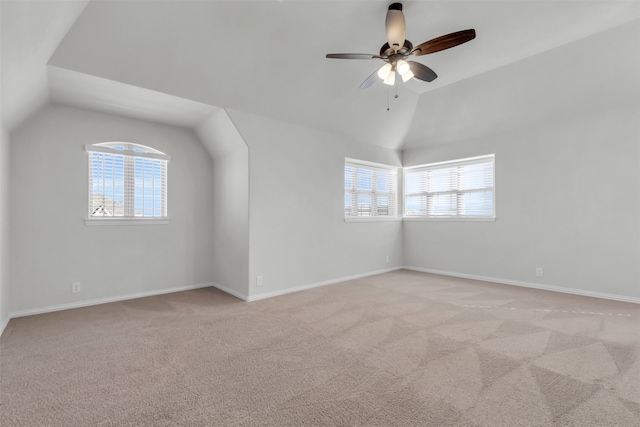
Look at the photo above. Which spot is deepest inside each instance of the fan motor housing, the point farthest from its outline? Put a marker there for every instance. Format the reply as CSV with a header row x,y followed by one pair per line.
x,y
387,51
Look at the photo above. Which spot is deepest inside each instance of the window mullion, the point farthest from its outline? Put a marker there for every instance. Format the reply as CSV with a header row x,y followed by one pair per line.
x,y
129,187
113,186
90,195
374,198
164,189
354,195
104,182
153,189
459,197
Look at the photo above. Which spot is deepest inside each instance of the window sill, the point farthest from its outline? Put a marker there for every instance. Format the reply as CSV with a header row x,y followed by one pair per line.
x,y
126,221
371,219
449,218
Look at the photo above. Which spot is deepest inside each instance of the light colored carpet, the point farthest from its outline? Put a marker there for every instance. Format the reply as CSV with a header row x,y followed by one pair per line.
x,y
397,349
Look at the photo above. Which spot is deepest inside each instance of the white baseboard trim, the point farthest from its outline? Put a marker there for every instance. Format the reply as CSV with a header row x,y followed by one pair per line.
x,y
4,325
317,284
236,294
540,286
98,301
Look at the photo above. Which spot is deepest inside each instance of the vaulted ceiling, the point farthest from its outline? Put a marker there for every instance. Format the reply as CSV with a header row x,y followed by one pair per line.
x,y
180,61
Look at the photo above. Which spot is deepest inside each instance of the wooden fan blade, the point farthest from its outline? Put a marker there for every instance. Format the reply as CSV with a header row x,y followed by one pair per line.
x,y
370,80
444,42
422,72
351,56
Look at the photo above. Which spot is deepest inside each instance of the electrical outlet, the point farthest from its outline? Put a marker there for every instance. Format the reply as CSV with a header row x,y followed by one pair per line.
x,y
258,280
387,259
76,287
539,272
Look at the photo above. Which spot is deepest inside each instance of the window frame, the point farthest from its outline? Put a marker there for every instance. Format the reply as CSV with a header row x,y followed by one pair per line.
x,y
131,152
354,191
458,192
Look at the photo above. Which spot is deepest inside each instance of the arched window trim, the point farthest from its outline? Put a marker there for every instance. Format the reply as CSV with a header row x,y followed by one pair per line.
x,y
129,149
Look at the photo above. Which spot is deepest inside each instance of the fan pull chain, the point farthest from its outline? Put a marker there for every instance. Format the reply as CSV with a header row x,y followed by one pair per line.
x,y
387,98
395,96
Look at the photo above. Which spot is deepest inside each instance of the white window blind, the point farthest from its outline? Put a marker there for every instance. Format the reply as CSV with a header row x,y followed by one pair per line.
x,y
457,189
369,191
127,180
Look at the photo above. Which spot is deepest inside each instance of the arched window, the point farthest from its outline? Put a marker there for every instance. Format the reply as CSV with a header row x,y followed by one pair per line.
x,y
127,181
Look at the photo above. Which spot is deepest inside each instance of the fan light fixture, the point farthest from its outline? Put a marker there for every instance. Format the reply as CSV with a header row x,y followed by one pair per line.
x,y
388,72
384,71
402,66
406,76
391,78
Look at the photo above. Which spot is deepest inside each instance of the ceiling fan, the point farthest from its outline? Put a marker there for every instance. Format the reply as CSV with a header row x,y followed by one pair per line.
x,y
397,49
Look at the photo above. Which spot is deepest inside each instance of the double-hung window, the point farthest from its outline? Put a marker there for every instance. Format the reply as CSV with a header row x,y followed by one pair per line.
x,y
461,189
126,181
369,190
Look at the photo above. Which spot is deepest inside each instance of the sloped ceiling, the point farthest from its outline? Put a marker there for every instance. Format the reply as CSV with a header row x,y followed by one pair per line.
x,y
268,58
30,33
95,93
593,74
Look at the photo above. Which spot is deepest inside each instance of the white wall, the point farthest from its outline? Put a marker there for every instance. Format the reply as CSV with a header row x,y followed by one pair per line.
x,y
4,228
298,236
230,213
50,245
564,127
231,221
567,200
